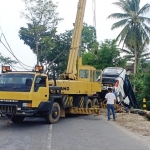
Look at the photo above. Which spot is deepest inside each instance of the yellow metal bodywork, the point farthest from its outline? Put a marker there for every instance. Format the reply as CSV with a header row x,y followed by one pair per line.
x,y
75,110
78,87
81,85
35,97
72,82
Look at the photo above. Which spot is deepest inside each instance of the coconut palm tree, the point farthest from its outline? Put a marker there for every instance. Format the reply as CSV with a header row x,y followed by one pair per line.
x,y
143,54
135,26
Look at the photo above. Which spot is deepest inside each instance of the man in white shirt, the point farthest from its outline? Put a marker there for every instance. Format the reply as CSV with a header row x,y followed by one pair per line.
x,y
111,101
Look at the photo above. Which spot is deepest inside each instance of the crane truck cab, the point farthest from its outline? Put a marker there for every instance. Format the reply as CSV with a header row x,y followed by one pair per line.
x,y
28,94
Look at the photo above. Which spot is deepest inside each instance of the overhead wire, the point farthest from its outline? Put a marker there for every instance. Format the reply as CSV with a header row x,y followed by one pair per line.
x,y
8,63
10,51
13,53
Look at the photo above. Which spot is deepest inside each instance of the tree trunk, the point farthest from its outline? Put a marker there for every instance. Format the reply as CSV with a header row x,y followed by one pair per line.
x,y
135,66
135,62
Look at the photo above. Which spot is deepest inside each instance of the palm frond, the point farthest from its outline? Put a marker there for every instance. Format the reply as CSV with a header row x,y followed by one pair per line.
x,y
144,19
137,5
119,24
147,28
144,34
123,5
123,33
144,9
145,55
129,57
125,51
118,15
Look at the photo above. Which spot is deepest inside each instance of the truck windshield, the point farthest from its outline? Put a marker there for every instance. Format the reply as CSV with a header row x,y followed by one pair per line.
x,y
16,82
112,71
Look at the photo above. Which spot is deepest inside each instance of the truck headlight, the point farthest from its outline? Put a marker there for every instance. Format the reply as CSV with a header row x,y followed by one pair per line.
x,y
27,105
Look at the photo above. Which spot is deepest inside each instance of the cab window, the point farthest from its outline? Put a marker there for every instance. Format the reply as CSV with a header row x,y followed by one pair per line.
x,y
40,81
97,75
84,73
91,76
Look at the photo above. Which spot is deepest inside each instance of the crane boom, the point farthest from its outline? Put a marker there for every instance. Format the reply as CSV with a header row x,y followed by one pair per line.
x,y
72,62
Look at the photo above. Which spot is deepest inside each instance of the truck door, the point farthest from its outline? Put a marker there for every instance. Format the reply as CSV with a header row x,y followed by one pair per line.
x,y
41,90
96,84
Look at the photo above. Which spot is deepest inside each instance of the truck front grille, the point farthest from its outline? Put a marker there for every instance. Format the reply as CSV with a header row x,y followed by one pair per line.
x,y
8,109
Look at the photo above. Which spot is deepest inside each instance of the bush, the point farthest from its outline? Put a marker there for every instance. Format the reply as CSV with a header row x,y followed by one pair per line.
x,y
148,105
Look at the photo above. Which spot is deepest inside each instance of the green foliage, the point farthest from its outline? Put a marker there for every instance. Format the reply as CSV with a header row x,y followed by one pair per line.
x,y
28,35
43,19
6,60
147,87
142,54
147,84
54,48
58,54
135,25
135,30
107,56
41,13
148,105
138,81
88,38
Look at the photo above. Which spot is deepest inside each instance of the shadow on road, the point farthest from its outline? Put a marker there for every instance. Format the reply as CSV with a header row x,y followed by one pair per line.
x,y
6,123
80,117
28,123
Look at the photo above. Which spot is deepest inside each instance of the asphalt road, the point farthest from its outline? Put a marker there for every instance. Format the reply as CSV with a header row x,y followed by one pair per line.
x,y
71,133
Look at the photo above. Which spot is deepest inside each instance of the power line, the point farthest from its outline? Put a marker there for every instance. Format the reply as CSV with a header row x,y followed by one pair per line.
x,y
14,55
21,63
10,64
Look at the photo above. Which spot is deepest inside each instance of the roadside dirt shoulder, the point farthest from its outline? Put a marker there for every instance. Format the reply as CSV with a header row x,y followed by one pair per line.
x,y
134,123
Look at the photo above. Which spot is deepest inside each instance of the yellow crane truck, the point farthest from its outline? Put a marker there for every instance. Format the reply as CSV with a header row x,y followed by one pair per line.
x,y
79,82
32,94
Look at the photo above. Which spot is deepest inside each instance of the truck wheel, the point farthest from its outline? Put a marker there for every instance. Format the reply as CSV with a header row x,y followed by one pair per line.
x,y
17,119
54,115
9,116
88,104
95,102
81,102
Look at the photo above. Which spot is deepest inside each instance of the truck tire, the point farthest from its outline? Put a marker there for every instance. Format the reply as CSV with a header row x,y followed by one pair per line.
x,y
88,104
17,119
95,102
54,114
9,116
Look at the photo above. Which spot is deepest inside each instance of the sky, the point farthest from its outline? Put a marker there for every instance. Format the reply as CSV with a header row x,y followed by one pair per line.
x,y
11,21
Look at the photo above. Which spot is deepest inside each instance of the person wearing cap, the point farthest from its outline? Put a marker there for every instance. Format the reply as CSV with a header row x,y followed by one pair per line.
x,y
111,101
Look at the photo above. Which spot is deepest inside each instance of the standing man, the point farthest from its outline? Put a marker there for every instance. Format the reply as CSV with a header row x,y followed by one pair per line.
x,y
111,101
